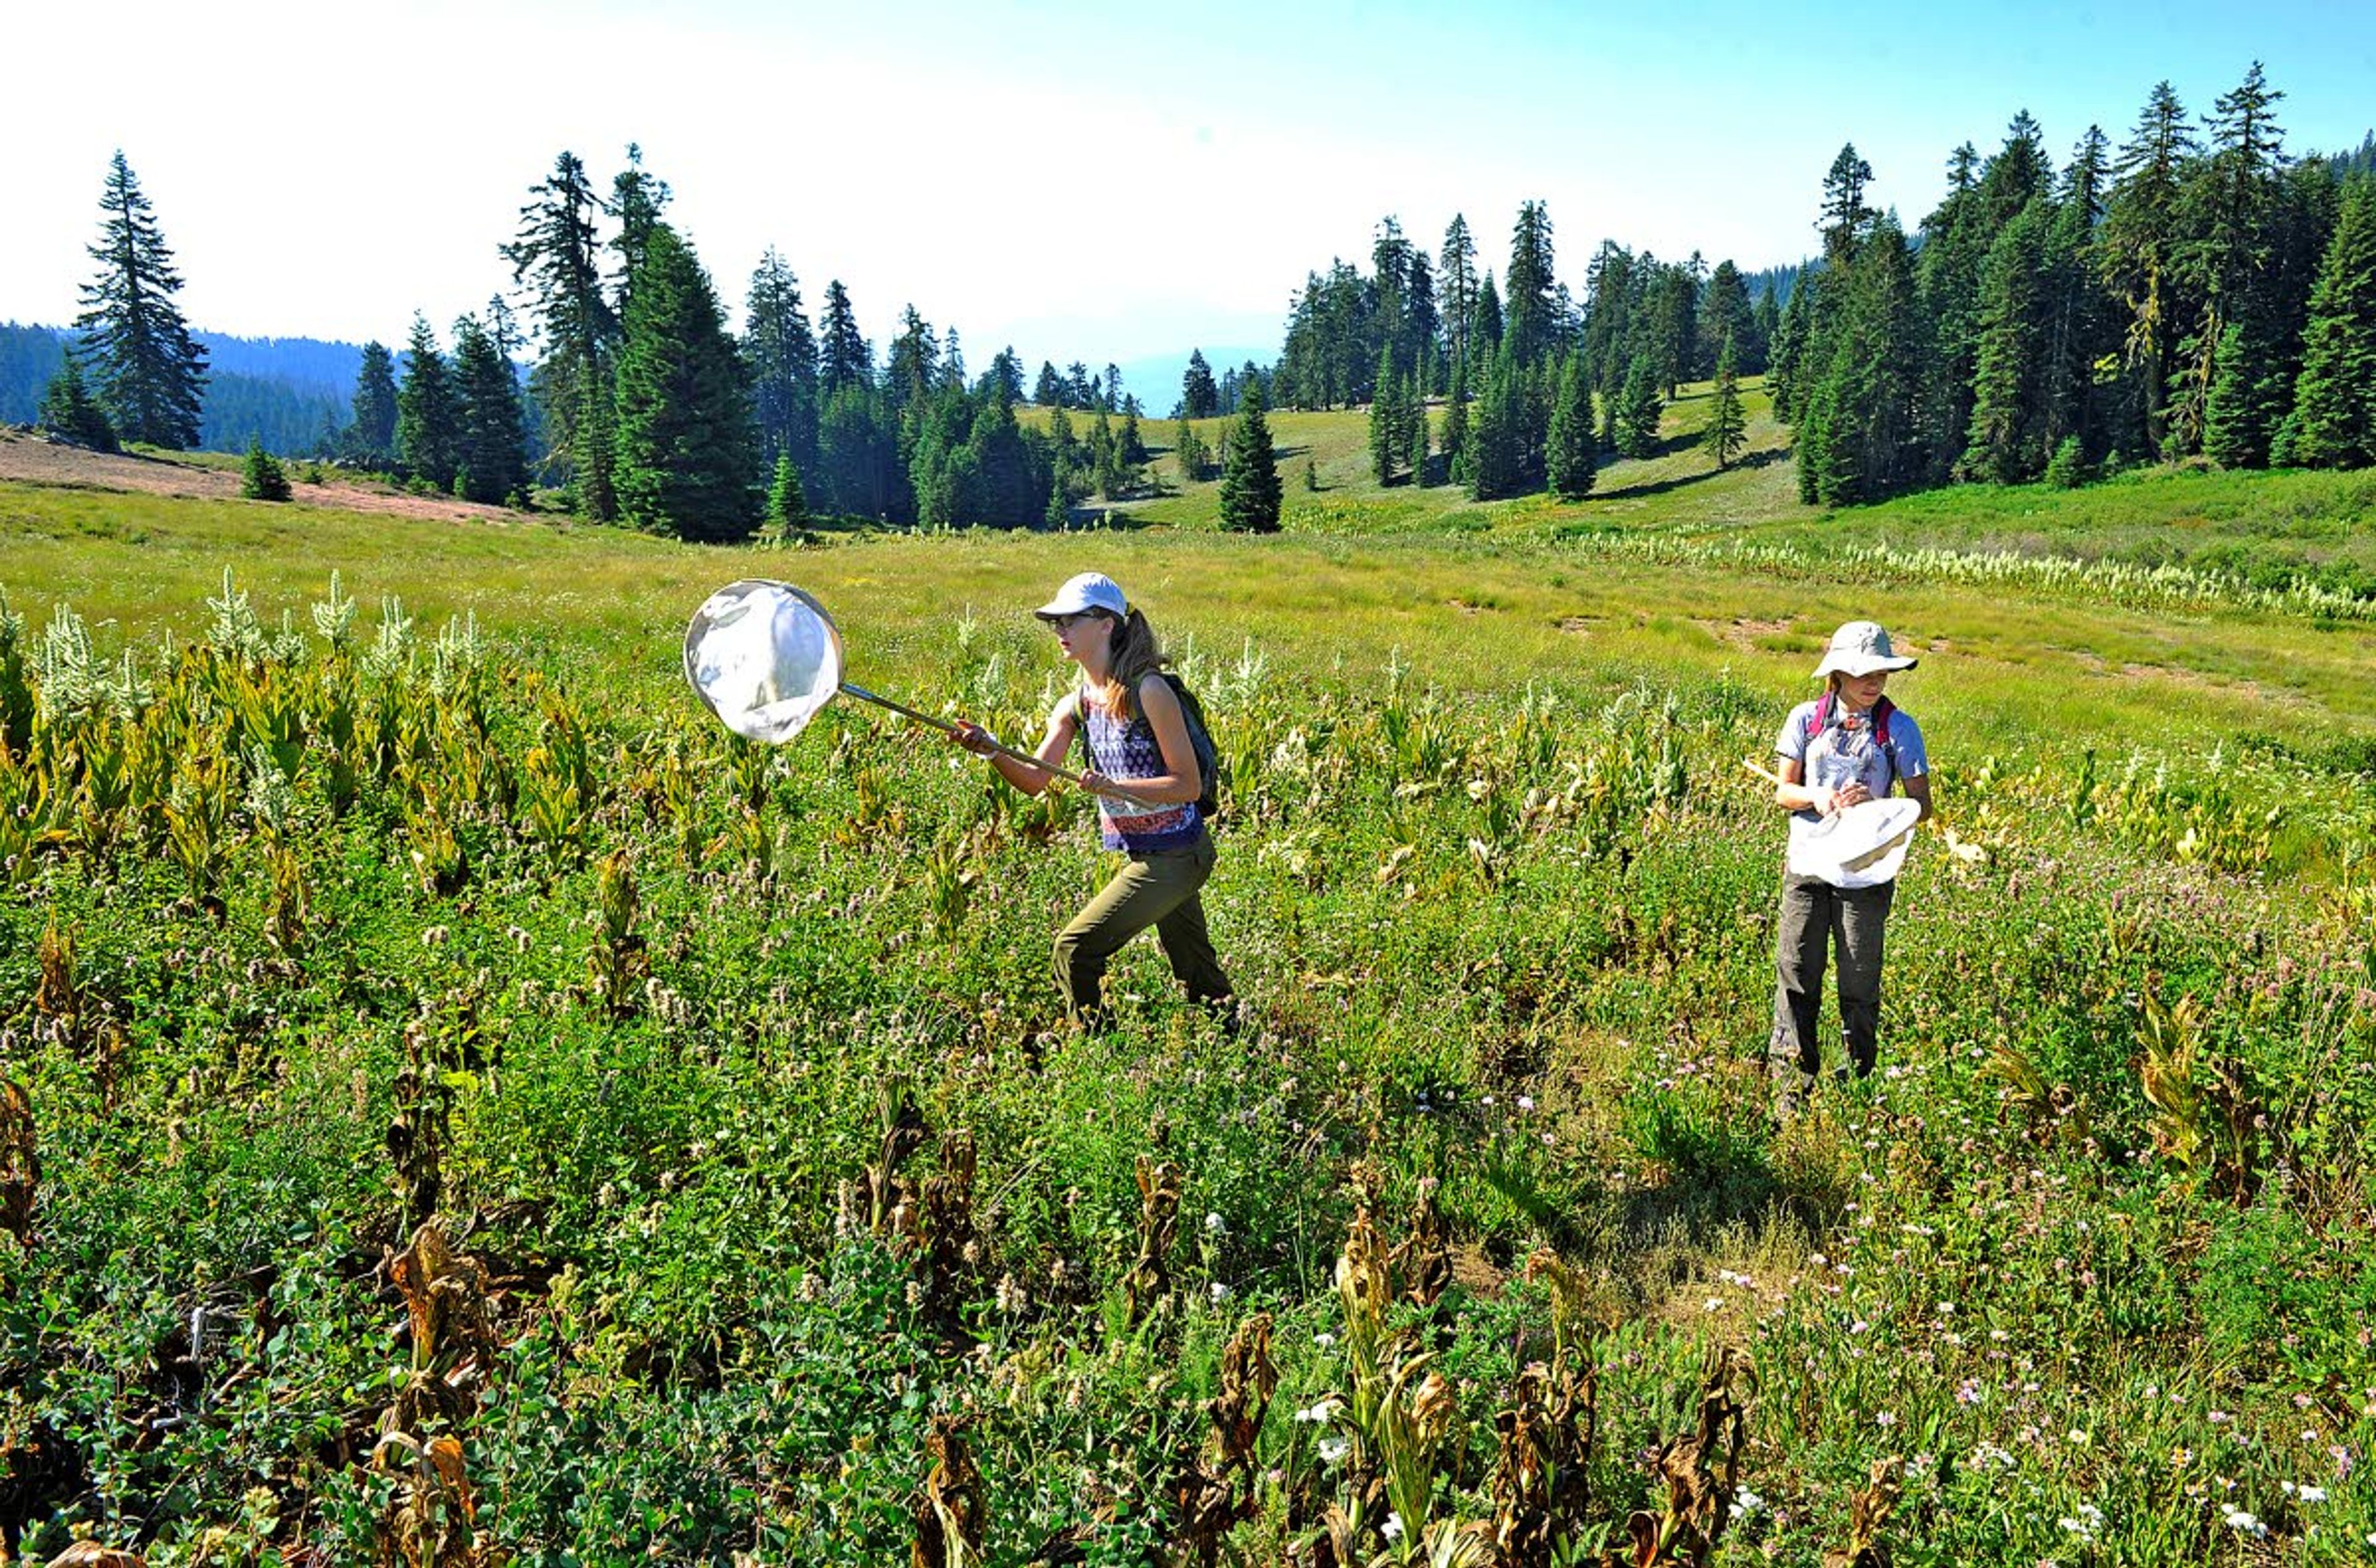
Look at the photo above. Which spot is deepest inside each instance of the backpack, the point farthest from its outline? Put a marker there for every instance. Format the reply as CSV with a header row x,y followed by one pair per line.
x,y
1821,720
1200,740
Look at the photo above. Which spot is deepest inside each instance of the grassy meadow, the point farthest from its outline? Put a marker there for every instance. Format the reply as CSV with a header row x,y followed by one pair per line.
x,y
462,1106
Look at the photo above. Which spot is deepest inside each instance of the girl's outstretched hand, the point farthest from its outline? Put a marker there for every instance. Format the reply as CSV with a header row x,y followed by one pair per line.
x,y
974,738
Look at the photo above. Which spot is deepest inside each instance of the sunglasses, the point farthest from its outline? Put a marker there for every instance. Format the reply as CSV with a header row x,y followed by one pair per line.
x,y
1063,624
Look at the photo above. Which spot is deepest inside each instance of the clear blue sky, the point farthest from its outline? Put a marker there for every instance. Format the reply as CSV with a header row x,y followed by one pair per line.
x,y
1080,180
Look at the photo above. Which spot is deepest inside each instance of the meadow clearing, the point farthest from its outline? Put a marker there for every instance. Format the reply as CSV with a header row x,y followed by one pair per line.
x,y
474,1111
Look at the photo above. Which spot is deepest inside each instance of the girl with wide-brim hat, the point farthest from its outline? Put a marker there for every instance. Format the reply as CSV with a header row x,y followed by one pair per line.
x,y
1849,746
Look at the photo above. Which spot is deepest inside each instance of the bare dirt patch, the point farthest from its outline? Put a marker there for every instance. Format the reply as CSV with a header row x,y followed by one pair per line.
x,y
1742,632
32,460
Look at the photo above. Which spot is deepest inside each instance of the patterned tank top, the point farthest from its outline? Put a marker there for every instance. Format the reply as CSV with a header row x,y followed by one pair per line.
x,y
1130,751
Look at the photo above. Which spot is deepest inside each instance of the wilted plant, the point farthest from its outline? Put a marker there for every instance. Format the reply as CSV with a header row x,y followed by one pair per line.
x,y
1540,1484
1219,1491
950,1517
453,1338
1149,1279
617,967
431,1521
21,1163
1871,1508
1701,1470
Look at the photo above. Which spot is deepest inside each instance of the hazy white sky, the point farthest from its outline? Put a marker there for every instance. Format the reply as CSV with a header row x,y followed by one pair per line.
x,y
1080,180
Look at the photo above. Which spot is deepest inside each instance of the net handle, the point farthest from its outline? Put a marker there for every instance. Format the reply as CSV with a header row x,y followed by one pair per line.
x,y
946,727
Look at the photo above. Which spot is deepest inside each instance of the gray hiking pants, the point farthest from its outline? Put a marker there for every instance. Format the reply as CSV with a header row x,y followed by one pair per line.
x,y
1816,917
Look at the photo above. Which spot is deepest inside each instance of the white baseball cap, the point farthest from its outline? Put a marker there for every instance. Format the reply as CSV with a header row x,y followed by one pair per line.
x,y
1090,590
1860,647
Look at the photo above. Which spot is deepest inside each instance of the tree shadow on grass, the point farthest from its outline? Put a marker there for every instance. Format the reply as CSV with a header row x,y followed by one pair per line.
x,y
1662,486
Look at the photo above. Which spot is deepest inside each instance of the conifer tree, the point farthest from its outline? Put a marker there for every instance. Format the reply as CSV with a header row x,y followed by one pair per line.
x,y
637,199
1863,438
1128,440
1638,407
1199,399
372,437
2247,400
68,411
1727,423
1568,456
1386,437
1725,311
1188,453
1250,492
2232,203
261,476
427,413
556,255
2008,440
1784,378
1455,270
144,369
491,437
780,356
1844,216
1496,444
844,357
2333,421
1485,328
1527,288
2142,243
688,455
1414,431
788,504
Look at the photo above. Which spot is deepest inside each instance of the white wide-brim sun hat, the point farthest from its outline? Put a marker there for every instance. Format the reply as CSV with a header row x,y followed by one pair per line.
x,y
1860,647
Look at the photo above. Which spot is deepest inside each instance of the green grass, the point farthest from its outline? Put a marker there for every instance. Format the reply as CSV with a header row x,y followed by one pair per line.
x,y
1499,895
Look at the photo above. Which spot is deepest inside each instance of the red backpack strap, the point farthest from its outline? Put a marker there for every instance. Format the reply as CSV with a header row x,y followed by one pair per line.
x,y
1881,712
1821,716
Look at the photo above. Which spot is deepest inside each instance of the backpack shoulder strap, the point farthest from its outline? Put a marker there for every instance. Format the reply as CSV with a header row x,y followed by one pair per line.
x,y
1820,716
1881,712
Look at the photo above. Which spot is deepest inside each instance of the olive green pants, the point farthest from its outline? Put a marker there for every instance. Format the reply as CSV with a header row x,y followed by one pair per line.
x,y
1816,918
1160,888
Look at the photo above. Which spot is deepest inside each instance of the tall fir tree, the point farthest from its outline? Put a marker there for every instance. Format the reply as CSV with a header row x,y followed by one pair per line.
x,y
1531,321
490,436
1495,450
1569,456
639,197
688,457
143,367
844,358
1638,407
1199,397
1727,431
2009,440
1454,442
1864,438
1845,215
782,356
1726,313
557,256
2140,254
1387,440
1456,272
371,438
2334,420
2231,205
1250,492
1414,427
428,422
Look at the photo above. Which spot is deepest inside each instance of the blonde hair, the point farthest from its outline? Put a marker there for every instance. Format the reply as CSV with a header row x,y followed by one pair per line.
x,y
1135,654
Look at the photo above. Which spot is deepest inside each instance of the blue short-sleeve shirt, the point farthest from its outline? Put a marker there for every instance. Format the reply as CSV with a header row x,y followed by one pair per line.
x,y
1847,752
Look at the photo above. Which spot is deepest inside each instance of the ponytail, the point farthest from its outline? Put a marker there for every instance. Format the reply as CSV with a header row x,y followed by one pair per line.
x,y
1135,655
